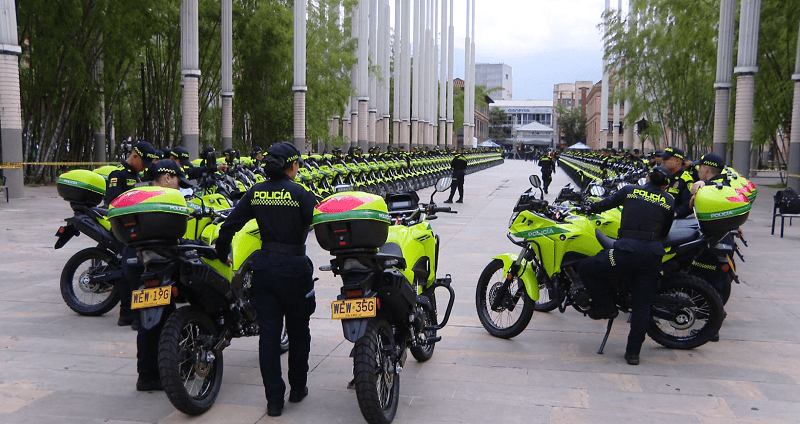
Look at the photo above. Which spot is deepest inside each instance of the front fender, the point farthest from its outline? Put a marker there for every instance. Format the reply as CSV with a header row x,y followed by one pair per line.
x,y
528,276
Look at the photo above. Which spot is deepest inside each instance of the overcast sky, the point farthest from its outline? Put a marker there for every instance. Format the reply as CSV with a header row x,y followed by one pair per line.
x,y
545,41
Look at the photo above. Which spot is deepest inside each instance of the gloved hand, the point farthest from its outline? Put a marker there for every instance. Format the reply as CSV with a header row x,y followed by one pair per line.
x,y
223,251
586,208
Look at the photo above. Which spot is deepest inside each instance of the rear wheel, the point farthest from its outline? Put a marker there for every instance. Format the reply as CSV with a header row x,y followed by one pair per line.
x,y
515,310
89,281
376,379
190,372
686,313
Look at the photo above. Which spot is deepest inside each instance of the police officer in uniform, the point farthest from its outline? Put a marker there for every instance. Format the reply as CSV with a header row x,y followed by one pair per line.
x,y
459,166
181,156
646,220
166,173
679,182
120,180
282,273
548,169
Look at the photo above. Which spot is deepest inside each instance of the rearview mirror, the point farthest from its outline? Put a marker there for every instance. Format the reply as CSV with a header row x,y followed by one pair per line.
x,y
444,183
535,181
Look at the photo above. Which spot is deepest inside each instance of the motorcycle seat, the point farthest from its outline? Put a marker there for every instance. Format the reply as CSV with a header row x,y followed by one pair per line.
x,y
686,223
391,251
680,235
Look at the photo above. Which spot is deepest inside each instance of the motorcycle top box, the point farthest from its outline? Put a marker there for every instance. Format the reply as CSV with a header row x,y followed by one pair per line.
x,y
81,186
149,213
350,220
720,208
741,184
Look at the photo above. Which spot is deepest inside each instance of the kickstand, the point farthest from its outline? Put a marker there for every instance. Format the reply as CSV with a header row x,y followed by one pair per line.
x,y
605,339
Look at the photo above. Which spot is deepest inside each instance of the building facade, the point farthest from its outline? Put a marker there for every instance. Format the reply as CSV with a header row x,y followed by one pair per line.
x,y
570,96
493,75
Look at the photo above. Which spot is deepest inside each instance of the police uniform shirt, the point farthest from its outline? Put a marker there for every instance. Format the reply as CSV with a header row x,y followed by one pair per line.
x,y
459,162
121,180
547,165
679,187
645,210
282,208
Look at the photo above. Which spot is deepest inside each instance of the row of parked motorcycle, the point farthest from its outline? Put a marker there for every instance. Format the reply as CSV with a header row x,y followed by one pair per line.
x,y
385,252
698,265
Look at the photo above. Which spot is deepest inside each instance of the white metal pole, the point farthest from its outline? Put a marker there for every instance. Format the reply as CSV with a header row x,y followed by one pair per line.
x,y
10,103
299,86
226,62
451,141
190,73
604,90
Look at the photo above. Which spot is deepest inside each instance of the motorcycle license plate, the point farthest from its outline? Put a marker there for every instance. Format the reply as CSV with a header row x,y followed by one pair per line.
x,y
149,298
354,308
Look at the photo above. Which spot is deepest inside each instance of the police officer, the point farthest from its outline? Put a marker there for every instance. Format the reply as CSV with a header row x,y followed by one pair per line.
x,y
709,171
679,182
120,180
180,156
646,219
548,169
166,173
282,273
459,166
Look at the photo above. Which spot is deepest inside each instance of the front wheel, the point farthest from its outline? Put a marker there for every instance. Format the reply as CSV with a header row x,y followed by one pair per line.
x,y
190,372
423,352
376,378
515,309
686,313
89,281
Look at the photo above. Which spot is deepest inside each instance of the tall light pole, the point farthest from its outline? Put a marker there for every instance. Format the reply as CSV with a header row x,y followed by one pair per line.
x,y
467,62
405,81
227,74
727,16
190,74
450,62
747,66
604,87
794,144
443,80
10,104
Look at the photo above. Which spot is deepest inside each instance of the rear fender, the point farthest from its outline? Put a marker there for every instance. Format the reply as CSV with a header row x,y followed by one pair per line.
x,y
354,329
528,277
65,234
150,317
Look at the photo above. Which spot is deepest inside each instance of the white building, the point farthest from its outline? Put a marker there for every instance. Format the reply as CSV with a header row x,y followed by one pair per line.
x,y
493,75
523,112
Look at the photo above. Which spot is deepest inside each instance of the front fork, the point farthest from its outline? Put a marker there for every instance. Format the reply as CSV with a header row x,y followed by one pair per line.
x,y
516,266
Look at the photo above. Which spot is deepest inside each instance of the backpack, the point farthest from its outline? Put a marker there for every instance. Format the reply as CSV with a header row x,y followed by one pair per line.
x,y
789,201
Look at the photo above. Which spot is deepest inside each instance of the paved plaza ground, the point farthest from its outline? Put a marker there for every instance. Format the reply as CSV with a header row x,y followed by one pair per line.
x,y
59,367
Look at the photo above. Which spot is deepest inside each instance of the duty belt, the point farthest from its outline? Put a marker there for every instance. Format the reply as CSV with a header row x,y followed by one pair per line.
x,y
286,249
639,235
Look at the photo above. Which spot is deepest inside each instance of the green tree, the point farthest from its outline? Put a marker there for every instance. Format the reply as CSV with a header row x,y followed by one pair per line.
x,y
669,60
499,127
572,124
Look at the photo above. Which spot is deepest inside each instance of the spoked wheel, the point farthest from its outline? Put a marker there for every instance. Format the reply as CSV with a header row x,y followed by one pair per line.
x,y
424,352
190,372
686,313
89,281
548,299
515,310
376,377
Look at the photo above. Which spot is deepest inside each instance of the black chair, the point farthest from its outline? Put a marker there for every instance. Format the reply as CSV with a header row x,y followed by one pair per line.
x,y
776,212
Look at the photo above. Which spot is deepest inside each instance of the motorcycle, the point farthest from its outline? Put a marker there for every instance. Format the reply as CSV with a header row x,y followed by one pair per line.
x,y
153,220
387,301
686,311
88,280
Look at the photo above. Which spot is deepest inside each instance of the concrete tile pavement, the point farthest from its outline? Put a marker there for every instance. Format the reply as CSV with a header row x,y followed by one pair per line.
x,y
56,366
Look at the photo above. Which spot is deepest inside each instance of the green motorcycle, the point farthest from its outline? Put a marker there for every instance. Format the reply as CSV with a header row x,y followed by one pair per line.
x,y
387,301
686,311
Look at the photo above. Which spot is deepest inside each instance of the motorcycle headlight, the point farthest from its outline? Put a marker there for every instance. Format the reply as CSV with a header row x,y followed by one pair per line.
x,y
621,185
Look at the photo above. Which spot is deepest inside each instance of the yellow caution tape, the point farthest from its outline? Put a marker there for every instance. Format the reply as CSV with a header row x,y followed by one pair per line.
x,y
17,165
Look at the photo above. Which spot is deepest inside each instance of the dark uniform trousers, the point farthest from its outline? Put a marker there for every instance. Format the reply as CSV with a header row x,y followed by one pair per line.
x,y
628,257
282,286
458,183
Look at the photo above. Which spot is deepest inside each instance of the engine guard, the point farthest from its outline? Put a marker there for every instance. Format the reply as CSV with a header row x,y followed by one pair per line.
x,y
528,277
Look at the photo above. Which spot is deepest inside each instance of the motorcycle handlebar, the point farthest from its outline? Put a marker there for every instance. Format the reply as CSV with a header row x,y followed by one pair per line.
x,y
447,209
